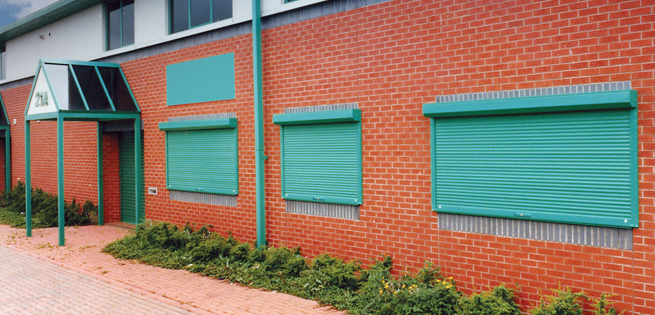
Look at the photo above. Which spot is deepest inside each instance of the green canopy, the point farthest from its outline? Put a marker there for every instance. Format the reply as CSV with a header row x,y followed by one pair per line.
x,y
65,90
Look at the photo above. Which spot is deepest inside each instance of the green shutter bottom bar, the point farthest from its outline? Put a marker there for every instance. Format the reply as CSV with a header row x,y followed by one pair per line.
x,y
203,161
322,163
574,167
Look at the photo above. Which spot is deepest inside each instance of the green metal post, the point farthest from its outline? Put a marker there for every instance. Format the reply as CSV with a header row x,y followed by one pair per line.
x,y
137,167
28,182
101,204
260,195
60,179
7,160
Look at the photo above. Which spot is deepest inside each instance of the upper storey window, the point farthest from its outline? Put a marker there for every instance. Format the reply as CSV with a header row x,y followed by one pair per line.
x,y
2,62
186,14
120,23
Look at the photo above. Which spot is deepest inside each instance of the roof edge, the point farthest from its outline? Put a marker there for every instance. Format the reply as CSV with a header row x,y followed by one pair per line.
x,y
43,17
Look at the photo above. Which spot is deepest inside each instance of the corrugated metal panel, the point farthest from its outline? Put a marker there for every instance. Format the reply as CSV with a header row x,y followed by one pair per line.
x,y
322,162
323,209
202,161
128,212
565,167
210,199
545,231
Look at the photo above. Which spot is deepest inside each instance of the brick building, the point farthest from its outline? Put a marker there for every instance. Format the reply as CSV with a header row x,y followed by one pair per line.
x,y
505,141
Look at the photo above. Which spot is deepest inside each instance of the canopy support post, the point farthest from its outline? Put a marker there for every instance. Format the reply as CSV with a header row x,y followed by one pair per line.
x,y
101,204
28,182
60,179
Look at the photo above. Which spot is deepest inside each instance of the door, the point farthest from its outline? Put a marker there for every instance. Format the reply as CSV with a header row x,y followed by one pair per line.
x,y
126,151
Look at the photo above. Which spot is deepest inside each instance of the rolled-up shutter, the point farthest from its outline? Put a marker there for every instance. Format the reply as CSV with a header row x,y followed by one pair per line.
x,y
203,160
569,167
321,162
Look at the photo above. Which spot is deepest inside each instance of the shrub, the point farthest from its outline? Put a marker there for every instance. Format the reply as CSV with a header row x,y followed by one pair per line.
x,y
565,302
498,301
44,209
326,279
602,307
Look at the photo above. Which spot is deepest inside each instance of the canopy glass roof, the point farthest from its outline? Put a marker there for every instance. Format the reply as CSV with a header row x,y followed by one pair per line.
x,y
78,86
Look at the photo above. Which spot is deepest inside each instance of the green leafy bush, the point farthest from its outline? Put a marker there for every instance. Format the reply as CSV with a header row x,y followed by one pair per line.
x,y
329,280
44,209
603,307
565,302
498,301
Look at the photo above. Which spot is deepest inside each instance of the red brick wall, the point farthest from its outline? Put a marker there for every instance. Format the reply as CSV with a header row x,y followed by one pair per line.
x,y
391,58
110,177
80,152
147,80
2,164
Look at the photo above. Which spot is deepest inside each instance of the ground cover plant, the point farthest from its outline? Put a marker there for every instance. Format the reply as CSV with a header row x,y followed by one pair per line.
x,y
44,209
329,280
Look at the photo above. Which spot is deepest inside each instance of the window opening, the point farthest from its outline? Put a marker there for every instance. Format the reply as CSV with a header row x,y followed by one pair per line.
x,y
186,14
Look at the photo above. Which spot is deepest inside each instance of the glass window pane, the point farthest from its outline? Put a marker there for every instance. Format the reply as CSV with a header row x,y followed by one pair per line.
x,y
200,12
117,89
113,24
222,9
128,22
92,88
179,15
63,87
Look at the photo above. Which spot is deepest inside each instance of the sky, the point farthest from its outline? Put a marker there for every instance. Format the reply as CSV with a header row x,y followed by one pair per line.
x,y
12,10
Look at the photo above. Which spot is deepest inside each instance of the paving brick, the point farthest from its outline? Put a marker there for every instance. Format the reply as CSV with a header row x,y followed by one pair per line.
x,y
133,288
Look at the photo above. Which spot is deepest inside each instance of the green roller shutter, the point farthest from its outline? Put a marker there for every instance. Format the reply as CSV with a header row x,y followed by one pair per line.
x,y
202,161
128,212
572,167
322,163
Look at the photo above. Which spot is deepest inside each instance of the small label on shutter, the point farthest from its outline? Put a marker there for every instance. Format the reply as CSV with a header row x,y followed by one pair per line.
x,y
524,215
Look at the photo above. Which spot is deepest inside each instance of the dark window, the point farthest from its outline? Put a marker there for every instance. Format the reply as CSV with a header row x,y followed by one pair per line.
x,y
120,23
2,62
186,14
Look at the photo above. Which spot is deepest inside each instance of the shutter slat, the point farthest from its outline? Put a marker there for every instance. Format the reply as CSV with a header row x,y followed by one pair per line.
x,y
202,160
322,160
574,164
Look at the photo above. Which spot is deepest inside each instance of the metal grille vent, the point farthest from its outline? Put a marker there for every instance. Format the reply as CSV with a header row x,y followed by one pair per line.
x,y
210,199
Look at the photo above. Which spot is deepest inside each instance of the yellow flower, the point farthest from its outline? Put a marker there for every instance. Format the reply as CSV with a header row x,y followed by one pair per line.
x,y
403,286
386,286
395,292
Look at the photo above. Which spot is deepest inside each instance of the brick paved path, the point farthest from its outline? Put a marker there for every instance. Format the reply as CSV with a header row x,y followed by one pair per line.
x,y
31,286
178,288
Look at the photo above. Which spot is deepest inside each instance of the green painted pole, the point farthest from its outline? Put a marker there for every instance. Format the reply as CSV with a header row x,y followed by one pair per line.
x,y
28,182
60,179
101,204
137,167
260,194
7,160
